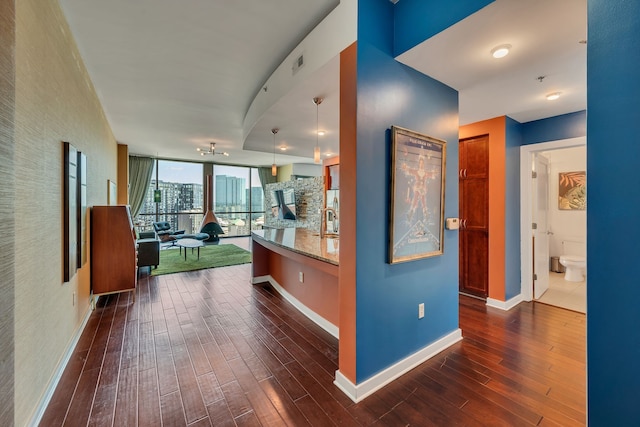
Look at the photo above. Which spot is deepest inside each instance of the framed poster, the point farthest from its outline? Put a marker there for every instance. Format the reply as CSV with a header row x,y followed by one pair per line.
x,y
112,193
572,190
69,211
417,196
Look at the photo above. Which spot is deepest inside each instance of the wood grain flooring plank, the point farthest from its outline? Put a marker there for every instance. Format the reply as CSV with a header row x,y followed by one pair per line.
x,y
149,408
146,347
167,377
289,412
171,410
192,402
209,388
264,410
219,414
236,400
126,413
103,406
218,363
57,409
82,402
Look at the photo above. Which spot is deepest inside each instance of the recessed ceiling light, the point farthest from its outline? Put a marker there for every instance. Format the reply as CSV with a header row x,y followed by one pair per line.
x,y
320,133
553,96
283,148
500,51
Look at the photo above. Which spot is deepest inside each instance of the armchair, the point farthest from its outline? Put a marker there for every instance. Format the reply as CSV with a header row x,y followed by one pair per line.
x,y
163,230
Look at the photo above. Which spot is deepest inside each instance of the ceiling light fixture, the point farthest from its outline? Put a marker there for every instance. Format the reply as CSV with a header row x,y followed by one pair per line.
x,y
316,151
500,51
274,168
212,150
553,96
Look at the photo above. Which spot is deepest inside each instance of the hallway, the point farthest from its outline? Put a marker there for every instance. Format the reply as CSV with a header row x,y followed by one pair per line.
x,y
208,348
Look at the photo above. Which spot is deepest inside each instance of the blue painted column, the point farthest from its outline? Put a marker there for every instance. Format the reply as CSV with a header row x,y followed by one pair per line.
x,y
613,219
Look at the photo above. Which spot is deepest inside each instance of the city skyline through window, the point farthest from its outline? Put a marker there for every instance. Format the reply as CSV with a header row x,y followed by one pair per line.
x,y
237,195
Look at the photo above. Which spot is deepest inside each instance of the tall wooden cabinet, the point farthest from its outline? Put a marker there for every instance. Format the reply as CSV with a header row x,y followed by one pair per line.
x,y
474,215
113,250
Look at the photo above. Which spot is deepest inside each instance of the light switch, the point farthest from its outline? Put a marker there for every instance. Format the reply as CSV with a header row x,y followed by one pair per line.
x,y
452,223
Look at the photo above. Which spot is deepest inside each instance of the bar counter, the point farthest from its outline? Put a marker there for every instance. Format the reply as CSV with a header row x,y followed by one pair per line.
x,y
302,241
303,268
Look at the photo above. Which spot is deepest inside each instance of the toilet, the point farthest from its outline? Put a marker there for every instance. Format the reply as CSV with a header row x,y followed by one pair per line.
x,y
574,260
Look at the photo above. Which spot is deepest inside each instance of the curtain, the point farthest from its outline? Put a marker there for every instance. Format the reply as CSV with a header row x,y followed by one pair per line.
x,y
266,178
140,170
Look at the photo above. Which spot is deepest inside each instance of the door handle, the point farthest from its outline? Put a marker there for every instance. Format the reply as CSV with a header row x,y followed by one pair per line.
x,y
465,173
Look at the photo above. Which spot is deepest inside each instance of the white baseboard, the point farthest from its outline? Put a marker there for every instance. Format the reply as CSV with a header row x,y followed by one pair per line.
x,y
505,305
370,386
57,374
312,315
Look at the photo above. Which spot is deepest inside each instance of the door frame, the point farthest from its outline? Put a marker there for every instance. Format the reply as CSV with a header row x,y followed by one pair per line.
x,y
526,214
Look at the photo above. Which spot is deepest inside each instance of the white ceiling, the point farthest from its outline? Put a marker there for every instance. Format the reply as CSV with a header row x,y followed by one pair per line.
x,y
173,76
545,37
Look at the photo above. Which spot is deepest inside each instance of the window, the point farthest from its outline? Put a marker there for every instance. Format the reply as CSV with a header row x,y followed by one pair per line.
x,y
181,196
237,198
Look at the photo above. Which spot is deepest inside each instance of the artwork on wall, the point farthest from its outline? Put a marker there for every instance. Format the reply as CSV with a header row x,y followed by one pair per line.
x,y
112,193
417,196
572,190
81,217
69,215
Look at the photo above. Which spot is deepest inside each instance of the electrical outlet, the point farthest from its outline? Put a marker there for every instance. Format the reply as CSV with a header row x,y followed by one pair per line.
x,y
420,310
301,277
74,299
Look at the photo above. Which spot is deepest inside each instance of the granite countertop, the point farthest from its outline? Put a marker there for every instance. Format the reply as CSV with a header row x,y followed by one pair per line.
x,y
302,241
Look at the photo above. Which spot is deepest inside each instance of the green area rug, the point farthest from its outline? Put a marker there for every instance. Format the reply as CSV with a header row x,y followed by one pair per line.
x,y
171,261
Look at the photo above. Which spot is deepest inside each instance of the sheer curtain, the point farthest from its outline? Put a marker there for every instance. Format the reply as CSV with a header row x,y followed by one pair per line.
x,y
140,170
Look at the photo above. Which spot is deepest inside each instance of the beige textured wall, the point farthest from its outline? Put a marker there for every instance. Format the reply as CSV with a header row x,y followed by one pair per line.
x,y
7,202
55,101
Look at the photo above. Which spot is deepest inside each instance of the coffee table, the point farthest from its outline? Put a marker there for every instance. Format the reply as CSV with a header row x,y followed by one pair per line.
x,y
189,243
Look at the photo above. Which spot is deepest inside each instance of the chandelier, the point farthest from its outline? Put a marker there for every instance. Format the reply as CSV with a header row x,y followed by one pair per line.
x,y
211,150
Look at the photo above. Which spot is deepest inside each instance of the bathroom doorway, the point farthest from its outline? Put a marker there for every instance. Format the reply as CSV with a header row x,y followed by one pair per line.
x,y
549,227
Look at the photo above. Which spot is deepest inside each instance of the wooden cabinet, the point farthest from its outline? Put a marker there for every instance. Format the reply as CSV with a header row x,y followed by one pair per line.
x,y
113,250
474,215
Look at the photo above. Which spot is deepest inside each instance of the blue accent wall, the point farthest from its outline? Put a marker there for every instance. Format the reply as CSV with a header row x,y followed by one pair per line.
x,y
565,126
387,296
513,141
418,20
613,230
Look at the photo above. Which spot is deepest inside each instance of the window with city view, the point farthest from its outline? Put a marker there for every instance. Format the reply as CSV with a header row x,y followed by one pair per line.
x,y
237,194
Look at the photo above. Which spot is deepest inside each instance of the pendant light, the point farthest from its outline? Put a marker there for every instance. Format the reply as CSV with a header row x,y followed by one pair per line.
x,y
316,151
274,168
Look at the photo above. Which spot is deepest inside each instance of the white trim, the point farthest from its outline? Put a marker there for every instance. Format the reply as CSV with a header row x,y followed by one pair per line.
x,y
505,305
360,391
312,315
57,374
526,214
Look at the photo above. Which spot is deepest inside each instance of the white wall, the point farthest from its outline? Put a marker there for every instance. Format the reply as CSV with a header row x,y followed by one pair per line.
x,y
565,224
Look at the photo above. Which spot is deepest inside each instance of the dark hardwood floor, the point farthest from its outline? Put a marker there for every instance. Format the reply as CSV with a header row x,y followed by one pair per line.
x,y
208,348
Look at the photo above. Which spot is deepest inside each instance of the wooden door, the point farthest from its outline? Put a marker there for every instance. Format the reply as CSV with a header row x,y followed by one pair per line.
x,y
474,216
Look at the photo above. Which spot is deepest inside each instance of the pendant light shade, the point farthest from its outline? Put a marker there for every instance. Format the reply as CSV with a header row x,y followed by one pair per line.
x,y
274,168
316,151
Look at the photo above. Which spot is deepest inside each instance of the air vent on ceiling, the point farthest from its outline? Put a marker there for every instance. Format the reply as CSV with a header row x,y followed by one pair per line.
x,y
298,63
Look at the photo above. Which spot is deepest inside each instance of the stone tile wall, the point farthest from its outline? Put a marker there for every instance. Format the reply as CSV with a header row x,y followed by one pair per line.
x,y
309,200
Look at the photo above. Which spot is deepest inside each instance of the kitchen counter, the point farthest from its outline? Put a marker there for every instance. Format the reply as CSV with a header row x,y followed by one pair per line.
x,y
302,241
